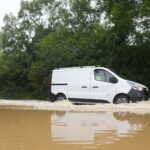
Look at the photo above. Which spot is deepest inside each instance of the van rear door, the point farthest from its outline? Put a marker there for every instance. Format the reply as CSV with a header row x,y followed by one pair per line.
x,y
79,85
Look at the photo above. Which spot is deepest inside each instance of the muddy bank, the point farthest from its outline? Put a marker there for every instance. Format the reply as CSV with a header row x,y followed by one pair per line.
x,y
142,107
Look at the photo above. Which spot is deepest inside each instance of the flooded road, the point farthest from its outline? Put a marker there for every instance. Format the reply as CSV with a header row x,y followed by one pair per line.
x,y
65,130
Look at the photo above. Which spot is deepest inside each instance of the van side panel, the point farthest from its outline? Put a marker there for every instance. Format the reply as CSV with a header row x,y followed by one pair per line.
x,y
79,84
60,76
59,82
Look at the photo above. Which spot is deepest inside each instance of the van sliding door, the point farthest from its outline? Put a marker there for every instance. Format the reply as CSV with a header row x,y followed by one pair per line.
x,y
79,85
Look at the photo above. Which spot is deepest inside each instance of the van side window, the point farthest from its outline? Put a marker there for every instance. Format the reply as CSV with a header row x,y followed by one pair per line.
x,y
108,76
99,75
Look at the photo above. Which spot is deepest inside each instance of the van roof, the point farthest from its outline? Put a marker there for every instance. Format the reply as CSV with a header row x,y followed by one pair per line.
x,y
80,67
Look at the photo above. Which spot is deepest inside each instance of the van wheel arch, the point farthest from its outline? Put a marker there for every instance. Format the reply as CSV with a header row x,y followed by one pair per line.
x,y
121,95
60,97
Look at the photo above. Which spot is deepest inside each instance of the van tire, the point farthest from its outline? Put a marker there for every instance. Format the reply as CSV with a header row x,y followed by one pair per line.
x,y
121,98
60,97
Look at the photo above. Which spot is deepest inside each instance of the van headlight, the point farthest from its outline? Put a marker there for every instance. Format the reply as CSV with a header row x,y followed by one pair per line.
x,y
135,86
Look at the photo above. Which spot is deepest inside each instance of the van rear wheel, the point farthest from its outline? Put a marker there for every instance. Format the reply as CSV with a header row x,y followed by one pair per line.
x,y
121,99
60,97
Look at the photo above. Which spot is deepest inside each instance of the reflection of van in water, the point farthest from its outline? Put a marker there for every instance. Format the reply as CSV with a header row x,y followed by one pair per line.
x,y
94,84
90,128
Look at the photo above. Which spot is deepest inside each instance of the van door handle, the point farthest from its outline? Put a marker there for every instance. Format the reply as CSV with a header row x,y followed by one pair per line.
x,y
84,87
95,87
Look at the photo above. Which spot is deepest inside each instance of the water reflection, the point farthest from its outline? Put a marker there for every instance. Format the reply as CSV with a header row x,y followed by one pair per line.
x,y
43,130
95,128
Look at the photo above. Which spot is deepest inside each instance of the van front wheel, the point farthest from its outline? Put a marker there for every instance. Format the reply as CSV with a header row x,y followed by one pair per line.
x,y
60,97
121,99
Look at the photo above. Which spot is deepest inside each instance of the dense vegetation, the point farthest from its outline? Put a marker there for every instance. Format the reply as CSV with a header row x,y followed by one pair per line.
x,y
48,34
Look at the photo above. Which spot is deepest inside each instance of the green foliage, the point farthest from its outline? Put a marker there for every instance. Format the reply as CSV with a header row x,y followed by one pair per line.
x,y
1,40
50,34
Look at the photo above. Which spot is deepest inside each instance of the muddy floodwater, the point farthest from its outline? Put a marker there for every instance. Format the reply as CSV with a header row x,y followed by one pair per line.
x,y
68,130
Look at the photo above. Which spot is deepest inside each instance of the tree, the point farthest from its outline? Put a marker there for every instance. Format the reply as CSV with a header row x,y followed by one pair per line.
x,y
1,40
51,34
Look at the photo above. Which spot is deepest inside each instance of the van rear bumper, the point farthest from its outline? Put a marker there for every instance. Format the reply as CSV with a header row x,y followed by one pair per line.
x,y
136,95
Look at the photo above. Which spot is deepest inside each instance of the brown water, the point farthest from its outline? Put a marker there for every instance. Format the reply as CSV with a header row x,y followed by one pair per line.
x,y
50,130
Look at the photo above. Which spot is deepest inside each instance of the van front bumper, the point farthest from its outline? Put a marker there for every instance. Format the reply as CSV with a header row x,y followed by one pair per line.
x,y
136,95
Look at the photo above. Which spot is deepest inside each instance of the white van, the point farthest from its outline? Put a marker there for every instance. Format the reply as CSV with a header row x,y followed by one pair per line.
x,y
91,84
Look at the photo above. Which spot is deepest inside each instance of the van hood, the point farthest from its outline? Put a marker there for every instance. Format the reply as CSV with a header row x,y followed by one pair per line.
x,y
136,85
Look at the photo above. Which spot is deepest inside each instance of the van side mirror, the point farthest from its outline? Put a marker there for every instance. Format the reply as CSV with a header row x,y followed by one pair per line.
x,y
113,80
